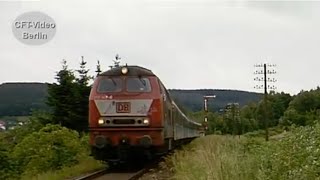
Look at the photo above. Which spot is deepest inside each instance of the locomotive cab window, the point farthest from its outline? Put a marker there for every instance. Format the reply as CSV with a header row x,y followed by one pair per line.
x,y
110,85
138,84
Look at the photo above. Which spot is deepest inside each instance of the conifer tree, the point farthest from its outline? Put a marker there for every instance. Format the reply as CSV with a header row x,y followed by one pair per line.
x,y
61,96
82,97
69,97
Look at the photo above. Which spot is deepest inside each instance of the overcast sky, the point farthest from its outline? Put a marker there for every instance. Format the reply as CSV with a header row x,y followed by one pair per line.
x,y
189,44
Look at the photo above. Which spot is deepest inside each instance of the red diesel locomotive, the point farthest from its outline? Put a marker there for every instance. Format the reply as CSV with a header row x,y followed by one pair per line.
x,y
131,112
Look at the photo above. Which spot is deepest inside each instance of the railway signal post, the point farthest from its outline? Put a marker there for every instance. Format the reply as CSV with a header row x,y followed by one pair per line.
x,y
205,106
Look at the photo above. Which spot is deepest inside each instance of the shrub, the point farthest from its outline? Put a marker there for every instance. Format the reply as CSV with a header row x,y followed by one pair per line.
x,y
6,163
294,157
52,148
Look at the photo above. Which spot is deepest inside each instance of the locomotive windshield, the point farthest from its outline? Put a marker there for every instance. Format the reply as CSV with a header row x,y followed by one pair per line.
x,y
138,84
132,84
110,85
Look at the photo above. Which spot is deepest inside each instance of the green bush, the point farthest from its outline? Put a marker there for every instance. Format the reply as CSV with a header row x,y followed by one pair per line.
x,y
294,157
52,148
84,140
32,124
7,168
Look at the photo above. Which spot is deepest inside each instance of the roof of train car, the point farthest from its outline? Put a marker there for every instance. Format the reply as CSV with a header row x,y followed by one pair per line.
x,y
132,71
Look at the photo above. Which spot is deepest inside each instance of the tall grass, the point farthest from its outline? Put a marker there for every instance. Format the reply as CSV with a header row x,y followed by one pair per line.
x,y
291,155
214,157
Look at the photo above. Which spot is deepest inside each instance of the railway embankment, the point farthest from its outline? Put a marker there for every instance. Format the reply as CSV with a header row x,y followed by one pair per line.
x,y
290,155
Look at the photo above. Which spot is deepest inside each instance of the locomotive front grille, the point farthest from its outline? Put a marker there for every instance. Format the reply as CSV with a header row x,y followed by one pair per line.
x,y
123,121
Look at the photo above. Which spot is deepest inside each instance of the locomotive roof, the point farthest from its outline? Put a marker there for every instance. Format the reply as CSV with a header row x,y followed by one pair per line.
x,y
132,71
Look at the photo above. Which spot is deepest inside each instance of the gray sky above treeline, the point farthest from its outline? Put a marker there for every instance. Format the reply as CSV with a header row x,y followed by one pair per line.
x,y
189,44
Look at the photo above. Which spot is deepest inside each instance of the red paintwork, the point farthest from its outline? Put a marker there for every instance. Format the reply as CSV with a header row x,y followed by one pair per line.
x,y
133,134
154,130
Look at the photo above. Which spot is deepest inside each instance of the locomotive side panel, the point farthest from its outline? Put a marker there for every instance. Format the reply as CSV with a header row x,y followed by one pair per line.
x,y
167,116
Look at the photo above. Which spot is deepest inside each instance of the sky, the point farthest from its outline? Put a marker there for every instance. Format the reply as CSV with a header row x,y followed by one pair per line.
x,y
188,44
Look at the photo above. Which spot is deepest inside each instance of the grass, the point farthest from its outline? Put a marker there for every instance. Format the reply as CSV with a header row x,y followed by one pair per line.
x,y
87,165
214,157
289,155
261,133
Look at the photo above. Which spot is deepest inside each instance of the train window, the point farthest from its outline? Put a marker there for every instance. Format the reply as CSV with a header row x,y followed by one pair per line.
x,y
138,84
110,85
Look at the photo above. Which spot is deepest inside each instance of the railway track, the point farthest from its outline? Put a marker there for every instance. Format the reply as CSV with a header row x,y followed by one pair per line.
x,y
128,173
111,175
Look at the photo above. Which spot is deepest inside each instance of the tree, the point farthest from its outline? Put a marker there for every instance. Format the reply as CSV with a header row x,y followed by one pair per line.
x,y
7,168
82,97
279,103
61,97
69,97
306,101
264,114
304,109
232,119
249,117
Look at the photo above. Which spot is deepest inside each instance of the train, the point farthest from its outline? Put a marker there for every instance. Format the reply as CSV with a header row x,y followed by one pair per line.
x,y
131,113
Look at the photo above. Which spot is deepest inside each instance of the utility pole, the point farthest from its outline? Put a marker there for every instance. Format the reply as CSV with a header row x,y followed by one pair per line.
x,y
265,72
205,101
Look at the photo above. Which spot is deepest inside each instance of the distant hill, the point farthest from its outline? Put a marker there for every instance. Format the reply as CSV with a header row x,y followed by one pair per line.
x,y
18,99
192,100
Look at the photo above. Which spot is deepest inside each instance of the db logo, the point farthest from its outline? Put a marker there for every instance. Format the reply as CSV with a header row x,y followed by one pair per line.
x,y
123,107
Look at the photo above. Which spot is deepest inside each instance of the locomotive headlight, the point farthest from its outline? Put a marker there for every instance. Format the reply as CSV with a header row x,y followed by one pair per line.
x,y
146,121
100,121
124,70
